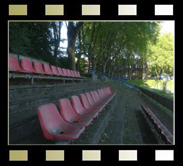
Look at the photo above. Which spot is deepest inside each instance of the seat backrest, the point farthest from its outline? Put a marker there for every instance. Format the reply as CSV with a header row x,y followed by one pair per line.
x,y
77,106
84,101
109,89
69,72
65,72
27,65
100,93
72,72
78,74
103,92
66,110
75,74
54,70
50,120
13,64
60,71
47,69
96,95
106,91
90,99
93,96
38,67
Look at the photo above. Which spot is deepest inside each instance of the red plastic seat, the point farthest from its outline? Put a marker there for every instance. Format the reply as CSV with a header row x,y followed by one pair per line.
x,y
75,74
97,101
108,90
38,67
109,95
79,75
101,100
14,65
93,103
69,73
79,109
102,96
27,65
94,96
54,127
72,72
70,116
60,71
54,70
47,69
87,105
65,72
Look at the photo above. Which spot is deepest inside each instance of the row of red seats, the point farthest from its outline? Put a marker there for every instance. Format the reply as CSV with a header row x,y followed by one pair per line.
x,y
73,119
36,67
162,130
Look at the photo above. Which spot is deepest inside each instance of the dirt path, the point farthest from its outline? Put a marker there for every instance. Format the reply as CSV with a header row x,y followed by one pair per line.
x,y
128,125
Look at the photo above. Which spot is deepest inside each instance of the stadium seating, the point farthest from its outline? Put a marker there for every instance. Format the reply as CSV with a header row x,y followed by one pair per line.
x,y
92,102
87,105
73,118
53,125
73,74
161,129
27,65
79,109
108,91
65,72
78,75
37,70
60,71
38,67
54,70
47,69
14,65
70,116
69,73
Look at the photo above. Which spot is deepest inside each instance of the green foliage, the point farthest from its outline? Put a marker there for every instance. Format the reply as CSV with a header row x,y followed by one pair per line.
x,y
160,57
112,45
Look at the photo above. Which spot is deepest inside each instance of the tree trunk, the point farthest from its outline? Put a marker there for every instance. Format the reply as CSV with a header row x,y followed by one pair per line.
x,y
79,55
93,65
71,53
57,38
71,34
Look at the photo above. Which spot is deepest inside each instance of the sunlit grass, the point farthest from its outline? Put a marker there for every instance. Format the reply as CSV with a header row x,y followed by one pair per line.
x,y
155,85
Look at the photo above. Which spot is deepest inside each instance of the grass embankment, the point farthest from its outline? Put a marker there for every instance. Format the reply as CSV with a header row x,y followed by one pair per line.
x,y
156,86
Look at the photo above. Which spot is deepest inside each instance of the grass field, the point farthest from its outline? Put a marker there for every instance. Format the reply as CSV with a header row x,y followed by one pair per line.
x,y
156,86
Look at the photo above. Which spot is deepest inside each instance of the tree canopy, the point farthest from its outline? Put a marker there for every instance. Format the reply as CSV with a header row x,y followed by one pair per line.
x,y
108,46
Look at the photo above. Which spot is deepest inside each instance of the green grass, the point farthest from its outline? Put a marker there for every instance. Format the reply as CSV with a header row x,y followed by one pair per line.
x,y
156,86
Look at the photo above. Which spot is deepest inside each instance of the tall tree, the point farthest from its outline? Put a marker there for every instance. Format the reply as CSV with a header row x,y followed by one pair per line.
x,y
72,31
160,55
56,38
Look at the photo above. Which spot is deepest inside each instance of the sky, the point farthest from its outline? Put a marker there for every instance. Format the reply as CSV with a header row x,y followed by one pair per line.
x,y
168,26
